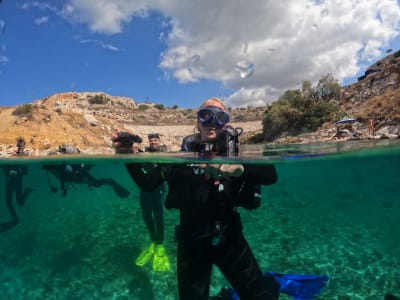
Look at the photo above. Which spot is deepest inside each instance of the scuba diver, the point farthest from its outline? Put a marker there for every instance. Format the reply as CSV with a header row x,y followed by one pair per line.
x,y
209,196
68,174
151,199
14,186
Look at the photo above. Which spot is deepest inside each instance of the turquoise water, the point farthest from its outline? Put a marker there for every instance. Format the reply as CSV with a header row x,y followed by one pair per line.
x,y
335,210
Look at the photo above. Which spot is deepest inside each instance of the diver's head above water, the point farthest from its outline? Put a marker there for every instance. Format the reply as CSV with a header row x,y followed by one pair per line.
x,y
211,118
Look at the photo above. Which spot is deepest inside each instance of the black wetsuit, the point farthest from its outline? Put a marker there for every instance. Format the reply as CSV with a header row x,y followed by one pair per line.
x,y
80,173
151,199
152,205
210,233
14,185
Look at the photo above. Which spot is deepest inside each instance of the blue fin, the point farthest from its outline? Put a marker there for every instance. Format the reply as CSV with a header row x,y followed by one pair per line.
x,y
300,287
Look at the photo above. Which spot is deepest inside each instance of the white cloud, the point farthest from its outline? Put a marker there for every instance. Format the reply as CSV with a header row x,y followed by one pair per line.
x,y
258,48
41,20
2,26
252,97
3,60
104,15
39,5
101,44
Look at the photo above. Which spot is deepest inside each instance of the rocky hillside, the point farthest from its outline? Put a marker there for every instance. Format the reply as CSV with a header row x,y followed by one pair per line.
x,y
376,94
88,120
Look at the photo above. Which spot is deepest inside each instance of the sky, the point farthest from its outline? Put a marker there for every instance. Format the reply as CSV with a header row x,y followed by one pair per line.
x,y
179,52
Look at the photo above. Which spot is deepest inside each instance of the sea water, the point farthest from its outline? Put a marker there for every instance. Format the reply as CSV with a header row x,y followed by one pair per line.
x,y
334,211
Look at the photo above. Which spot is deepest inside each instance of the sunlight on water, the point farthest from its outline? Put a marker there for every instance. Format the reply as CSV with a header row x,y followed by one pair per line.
x,y
333,211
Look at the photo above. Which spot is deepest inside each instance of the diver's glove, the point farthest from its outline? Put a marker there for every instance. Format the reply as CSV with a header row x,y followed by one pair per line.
x,y
123,141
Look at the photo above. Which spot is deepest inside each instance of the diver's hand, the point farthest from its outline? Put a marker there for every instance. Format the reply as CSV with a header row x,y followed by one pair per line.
x,y
217,170
125,142
135,148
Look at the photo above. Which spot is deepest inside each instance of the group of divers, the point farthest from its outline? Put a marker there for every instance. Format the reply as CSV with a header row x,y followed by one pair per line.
x,y
208,196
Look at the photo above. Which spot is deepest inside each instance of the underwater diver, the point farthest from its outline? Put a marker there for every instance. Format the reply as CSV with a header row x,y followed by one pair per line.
x,y
14,186
68,174
208,196
151,199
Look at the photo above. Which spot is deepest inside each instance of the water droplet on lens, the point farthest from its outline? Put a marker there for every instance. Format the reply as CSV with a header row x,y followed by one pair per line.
x,y
245,68
315,27
195,58
245,46
324,12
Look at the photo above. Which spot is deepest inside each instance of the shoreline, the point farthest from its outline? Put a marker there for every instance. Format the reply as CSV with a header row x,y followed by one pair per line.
x,y
172,136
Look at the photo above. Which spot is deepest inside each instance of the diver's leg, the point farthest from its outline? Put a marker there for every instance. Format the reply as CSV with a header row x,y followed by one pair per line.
x,y
9,199
158,213
19,195
118,189
161,261
146,206
92,181
64,187
22,194
194,269
238,264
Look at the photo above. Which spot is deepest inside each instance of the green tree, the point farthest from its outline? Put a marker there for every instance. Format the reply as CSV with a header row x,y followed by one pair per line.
x,y
143,107
327,88
24,110
159,106
98,99
306,89
297,111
